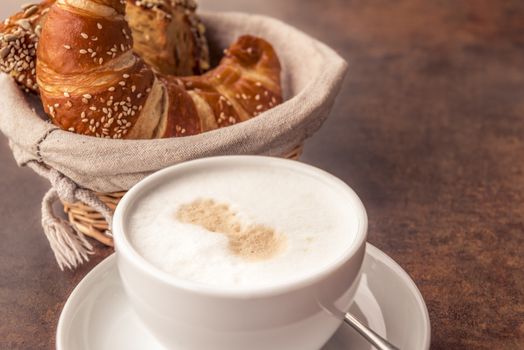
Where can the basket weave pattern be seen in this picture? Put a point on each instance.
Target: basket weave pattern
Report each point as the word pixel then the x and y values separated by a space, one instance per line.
pixel 92 224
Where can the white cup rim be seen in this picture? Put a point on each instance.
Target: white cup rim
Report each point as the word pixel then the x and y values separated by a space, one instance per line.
pixel 123 246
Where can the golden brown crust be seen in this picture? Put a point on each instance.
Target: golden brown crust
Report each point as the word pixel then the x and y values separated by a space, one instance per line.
pixel 169 36
pixel 107 111
pixel 222 108
pixel 183 118
pixel 89 42
pixel 92 83
pixel 245 83
pixel 19 36
pixel 257 57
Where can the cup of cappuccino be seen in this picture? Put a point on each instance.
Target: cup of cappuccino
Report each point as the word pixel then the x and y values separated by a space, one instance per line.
pixel 240 252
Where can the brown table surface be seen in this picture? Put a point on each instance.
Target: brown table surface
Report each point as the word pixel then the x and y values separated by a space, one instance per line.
pixel 428 129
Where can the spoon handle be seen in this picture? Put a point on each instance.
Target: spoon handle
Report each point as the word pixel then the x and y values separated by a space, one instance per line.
pixel 373 338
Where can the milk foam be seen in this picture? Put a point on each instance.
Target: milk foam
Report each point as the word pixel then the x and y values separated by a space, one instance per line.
pixel 315 220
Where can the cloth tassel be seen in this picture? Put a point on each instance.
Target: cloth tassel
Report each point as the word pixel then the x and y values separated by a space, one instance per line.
pixel 70 247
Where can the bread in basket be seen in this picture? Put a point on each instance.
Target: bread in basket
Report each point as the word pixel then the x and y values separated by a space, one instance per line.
pixel 89 175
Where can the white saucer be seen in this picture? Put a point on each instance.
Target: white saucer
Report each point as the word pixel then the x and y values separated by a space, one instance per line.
pixel 97 315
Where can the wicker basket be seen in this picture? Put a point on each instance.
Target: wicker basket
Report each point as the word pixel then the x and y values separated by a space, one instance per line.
pixel 92 224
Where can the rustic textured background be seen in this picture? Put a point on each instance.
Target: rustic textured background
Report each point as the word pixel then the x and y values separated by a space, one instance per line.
pixel 429 130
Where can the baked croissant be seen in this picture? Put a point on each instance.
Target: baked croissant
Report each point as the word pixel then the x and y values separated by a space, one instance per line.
pixel 92 83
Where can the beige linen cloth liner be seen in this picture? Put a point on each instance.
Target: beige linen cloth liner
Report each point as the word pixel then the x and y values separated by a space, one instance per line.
pixel 77 165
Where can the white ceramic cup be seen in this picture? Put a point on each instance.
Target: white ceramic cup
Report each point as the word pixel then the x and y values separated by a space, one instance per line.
pixel 299 315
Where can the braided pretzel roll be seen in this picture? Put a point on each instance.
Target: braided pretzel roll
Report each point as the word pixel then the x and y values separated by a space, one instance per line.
pixel 169 36
pixel 92 83
pixel 19 36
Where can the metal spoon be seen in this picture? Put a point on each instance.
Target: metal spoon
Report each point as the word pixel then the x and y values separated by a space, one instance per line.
pixel 373 338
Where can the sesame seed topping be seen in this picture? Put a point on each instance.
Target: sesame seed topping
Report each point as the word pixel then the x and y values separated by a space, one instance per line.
pixel 29 9
pixel 12 37
pixel 24 23
pixel 88 96
pixel 67 47
pixel 83 52
pixel 112 88
pixel 126 76
pixel 99 26
pixel 66 94
pixel 84 35
pixel 4 52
